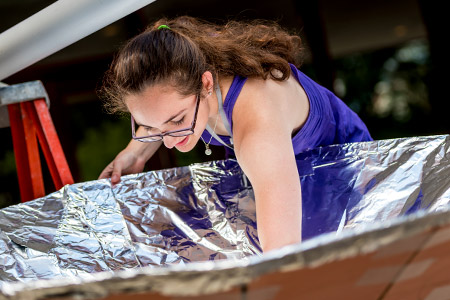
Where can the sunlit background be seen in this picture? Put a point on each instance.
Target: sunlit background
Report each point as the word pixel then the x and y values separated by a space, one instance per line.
pixel 385 59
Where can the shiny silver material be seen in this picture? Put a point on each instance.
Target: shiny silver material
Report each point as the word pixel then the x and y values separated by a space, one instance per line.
pixel 167 217
pixel 364 195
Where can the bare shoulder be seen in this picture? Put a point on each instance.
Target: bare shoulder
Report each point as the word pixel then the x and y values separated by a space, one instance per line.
pixel 268 100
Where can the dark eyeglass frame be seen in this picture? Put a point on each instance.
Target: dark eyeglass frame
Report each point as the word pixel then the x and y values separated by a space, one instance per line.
pixel 159 137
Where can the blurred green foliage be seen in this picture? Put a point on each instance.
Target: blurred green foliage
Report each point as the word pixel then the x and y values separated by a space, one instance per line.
pixel 101 144
pixel 387 89
pixel 8 177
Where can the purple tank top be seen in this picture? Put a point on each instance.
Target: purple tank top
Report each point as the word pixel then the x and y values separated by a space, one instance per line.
pixel 330 121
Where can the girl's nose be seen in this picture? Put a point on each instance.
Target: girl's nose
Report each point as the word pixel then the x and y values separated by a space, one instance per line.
pixel 171 141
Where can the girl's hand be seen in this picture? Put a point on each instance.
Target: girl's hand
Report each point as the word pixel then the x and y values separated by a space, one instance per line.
pixel 130 160
pixel 126 162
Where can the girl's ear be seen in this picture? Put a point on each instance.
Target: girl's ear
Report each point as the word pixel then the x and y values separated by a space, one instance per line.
pixel 208 81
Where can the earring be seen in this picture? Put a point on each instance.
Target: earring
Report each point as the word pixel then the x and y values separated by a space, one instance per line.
pixel 209 93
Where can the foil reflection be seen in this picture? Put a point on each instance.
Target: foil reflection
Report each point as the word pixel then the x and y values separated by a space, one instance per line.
pixel 207 212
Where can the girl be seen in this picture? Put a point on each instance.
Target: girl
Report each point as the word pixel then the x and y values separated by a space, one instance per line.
pixel 185 81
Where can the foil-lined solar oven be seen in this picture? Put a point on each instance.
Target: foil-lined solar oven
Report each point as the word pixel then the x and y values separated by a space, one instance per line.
pixel 203 216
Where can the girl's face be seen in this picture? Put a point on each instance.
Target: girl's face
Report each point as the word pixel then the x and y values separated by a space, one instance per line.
pixel 160 109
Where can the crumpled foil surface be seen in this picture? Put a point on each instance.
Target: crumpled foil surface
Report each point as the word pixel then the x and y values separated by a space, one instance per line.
pixel 206 211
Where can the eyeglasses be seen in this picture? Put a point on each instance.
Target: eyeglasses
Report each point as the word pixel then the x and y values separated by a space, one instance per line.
pixel 160 136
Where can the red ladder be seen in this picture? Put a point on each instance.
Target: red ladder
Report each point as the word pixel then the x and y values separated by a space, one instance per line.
pixel 30 118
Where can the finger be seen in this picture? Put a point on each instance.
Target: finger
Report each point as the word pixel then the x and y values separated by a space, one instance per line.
pixel 115 178
pixel 116 173
pixel 107 172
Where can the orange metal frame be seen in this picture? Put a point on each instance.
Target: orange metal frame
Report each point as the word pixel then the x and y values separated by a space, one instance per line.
pixel 29 120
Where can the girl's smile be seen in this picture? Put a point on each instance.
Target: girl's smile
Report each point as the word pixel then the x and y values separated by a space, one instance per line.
pixel 183 142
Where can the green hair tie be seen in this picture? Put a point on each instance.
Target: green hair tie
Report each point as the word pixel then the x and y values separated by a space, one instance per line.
pixel 163 26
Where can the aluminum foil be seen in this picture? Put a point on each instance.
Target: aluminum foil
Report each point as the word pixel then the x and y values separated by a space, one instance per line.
pixel 206 212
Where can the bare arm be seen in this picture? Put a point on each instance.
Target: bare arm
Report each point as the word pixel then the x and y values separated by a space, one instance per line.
pixel 264 150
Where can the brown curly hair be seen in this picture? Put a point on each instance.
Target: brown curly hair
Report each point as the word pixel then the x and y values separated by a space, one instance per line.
pixel 180 54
